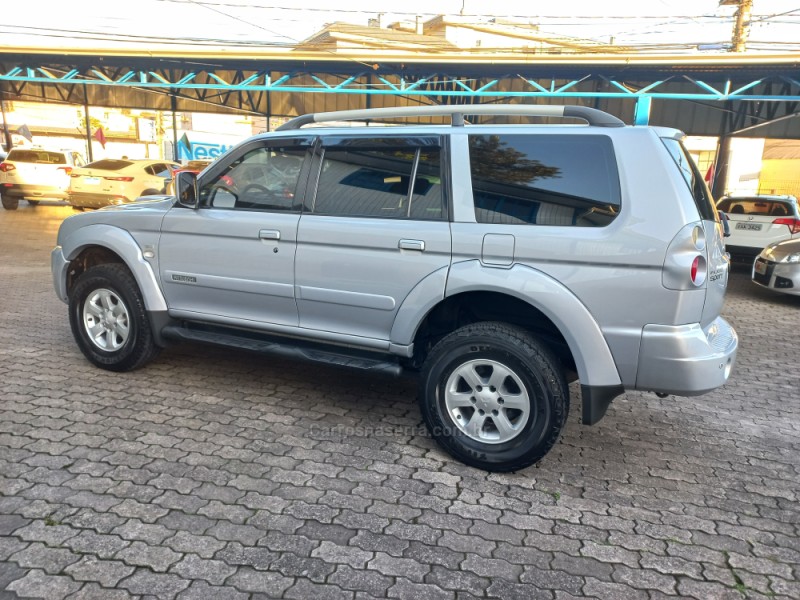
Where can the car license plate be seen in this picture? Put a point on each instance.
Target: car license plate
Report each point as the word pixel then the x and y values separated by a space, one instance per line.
pixel 760 267
pixel 91 180
pixel 749 226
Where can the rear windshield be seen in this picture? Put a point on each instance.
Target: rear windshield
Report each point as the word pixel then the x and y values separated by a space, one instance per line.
pixel 695 181
pixel 37 156
pixel 766 207
pixel 109 164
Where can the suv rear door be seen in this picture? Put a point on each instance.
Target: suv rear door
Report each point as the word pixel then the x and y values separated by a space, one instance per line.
pixel 367 239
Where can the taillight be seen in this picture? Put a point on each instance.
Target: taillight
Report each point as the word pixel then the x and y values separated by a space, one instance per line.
pixel 793 224
pixel 6 167
pixel 697 271
pixel 67 170
pixel 118 178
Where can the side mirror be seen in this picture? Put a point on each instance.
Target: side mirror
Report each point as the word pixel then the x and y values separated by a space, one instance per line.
pixel 186 189
pixel 726 228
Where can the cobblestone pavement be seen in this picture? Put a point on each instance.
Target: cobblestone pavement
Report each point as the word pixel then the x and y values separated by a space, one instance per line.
pixel 215 474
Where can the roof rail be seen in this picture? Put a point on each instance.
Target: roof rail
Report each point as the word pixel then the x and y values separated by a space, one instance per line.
pixel 456 113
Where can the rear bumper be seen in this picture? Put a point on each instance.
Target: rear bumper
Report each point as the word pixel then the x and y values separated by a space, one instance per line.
pixel 24 190
pixel 686 360
pixel 88 200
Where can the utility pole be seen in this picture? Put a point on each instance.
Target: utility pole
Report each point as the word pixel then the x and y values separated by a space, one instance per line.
pixel 741 31
pixel 741 28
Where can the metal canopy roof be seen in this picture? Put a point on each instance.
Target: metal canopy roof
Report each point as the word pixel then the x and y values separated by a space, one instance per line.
pixel 700 94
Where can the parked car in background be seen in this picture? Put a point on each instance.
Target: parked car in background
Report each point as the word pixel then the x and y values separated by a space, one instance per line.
pixel 36 174
pixel 192 166
pixel 778 267
pixel 115 181
pixel 757 221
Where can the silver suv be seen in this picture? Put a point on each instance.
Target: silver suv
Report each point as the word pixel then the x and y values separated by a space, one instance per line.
pixel 35 174
pixel 499 261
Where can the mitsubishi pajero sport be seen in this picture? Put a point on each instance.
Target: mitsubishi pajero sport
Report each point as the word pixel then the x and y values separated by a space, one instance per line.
pixel 498 261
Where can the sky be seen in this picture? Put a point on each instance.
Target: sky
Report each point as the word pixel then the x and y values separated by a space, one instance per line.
pixel 692 22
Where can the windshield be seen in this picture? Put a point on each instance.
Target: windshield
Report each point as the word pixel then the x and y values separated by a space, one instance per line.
pixel 37 156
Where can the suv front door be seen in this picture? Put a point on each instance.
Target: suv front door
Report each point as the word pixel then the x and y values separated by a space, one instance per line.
pixel 368 239
pixel 232 259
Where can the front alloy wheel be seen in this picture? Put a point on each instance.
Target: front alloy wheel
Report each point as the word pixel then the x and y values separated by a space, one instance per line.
pixel 106 320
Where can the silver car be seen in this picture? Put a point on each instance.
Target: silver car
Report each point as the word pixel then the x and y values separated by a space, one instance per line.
pixel 778 267
pixel 499 262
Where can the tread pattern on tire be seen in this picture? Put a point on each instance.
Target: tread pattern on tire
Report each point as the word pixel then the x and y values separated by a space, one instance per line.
pixel 526 345
pixel 116 276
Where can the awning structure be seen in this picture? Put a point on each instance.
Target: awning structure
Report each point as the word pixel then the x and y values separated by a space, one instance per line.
pixel 700 94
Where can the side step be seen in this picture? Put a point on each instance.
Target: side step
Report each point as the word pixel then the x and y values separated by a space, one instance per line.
pixel 285 347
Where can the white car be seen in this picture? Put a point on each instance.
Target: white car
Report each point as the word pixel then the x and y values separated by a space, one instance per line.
pixel 778 267
pixel 758 221
pixel 35 174
pixel 116 181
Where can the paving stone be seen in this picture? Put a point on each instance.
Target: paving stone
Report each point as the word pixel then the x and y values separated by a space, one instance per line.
pixel 704 590
pixel 398 567
pixel 132 509
pixel 179 521
pixel 231 532
pixel 39 531
pixel 193 567
pixel 203 545
pixel 457 580
pixel 361 580
pixel 314 569
pixel 87 518
pixel 304 589
pixel 38 584
pixel 105 572
pixel 10 523
pixel 506 590
pixel 134 529
pixel 326 532
pixel 338 554
pixel 603 589
pixel 235 553
pixel 10 572
pixel 89 542
pixel 38 556
pixel 201 590
pixel 93 591
pixel 175 501
pixel 158 585
pixel 247 579
pixel 140 554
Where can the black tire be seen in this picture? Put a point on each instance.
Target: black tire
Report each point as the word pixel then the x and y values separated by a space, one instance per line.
pixel 533 369
pixel 138 347
pixel 33 202
pixel 9 203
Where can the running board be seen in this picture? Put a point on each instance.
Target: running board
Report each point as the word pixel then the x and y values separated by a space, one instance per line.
pixel 301 351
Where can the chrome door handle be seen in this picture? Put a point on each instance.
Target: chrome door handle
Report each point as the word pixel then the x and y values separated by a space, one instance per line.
pixel 269 234
pixel 417 245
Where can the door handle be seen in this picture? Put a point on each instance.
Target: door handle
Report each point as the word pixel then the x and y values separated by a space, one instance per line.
pixel 269 234
pixel 417 245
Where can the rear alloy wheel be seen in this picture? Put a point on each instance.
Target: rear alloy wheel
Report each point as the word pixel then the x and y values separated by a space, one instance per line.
pixel 109 320
pixel 9 203
pixel 494 396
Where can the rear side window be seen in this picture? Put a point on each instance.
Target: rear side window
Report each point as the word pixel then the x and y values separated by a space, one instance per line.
pixel 695 181
pixel 561 180
pixel 42 157
pixel 372 178
pixel 765 207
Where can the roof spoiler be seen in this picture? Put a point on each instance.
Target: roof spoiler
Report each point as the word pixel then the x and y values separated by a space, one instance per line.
pixel 456 113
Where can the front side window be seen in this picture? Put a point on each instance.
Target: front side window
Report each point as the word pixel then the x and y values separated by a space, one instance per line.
pixel 372 178
pixel 557 180
pixel 264 178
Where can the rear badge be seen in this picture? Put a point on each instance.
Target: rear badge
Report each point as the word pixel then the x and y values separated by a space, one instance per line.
pixel 184 278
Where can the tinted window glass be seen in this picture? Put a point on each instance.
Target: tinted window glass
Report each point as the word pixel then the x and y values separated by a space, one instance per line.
pixel 373 180
pixel 568 180
pixel 766 207
pixel 38 156
pixel 261 179
pixel 109 164
pixel 695 181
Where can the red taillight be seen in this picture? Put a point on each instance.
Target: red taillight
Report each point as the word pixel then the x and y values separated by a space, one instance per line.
pixel 793 224
pixel 67 170
pixel 6 167
pixel 698 270
pixel 118 178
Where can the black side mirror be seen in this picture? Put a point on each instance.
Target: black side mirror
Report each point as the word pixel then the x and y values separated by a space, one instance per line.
pixel 726 228
pixel 186 189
